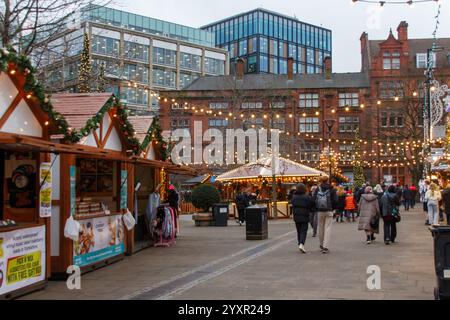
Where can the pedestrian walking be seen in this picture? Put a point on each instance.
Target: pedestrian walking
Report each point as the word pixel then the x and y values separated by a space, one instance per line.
pixel 302 205
pixel 350 207
pixel 369 209
pixel 390 213
pixel 446 202
pixel 325 199
pixel 314 216
pixel 432 197
pixel 425 187
pixel 413 196
pixel 407 197
pixel 242 202
pixel 340 208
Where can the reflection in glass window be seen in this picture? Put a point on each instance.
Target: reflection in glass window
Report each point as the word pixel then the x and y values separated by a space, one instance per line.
pixel 263 64
pixel 243 47
pixel 214 66
pixel 136 73
pixel 135 96
pixel 186 79
pixel 263 45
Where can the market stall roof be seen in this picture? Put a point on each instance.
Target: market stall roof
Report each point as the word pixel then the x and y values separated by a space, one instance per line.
pixel 141 125
pixel 263 168
pixel 78 108
pixel 197 180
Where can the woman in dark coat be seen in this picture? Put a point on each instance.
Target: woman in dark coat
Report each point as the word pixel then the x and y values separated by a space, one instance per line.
pixel 390 201
pixel 301 207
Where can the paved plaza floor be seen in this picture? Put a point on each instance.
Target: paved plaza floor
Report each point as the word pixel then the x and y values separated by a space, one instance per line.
pixel 218 263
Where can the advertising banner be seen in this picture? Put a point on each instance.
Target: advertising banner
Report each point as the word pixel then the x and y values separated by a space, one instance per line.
pixel 45 194
pixel 100 238
pixel 124 190
pixel 22 258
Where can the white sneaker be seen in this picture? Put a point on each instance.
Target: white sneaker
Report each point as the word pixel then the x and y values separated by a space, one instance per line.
pixel 302 248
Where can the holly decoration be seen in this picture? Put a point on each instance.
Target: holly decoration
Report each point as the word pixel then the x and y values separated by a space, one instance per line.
pixel 154 133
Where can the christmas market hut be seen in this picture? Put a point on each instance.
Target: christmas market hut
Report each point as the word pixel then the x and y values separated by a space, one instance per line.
pixel 256 178
pixel 27 119
pixel 93 187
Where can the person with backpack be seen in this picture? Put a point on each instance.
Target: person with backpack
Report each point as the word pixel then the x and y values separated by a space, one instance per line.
pixel 325 199
pixel 313 216
pixel 302 205
pixel 390 212
pixel 340 212
pixel 407 197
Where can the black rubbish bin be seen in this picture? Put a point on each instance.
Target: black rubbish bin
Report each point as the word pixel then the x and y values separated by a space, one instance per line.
pixel 441 235
pixel 220 214
pixel 257 226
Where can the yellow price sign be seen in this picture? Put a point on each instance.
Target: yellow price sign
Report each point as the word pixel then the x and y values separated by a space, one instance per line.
pixel 24 267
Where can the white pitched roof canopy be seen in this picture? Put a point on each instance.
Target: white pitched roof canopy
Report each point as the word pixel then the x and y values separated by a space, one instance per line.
pixel 284 168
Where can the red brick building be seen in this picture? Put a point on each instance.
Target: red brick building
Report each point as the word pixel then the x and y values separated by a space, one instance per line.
pixel 396 68
pixel 384 100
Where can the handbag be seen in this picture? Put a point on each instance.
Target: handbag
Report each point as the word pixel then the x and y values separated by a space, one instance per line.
pixel 396 215
pixel 129 220
pixel 375 223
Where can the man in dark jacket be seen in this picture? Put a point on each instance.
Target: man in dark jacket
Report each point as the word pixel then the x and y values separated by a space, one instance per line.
pixel 242 202
pixel 301 206
pixel 407 197
pixel 446 201
pixel 389 202
pixel 325 199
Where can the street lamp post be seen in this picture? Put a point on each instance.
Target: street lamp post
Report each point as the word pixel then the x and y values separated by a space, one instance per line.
pixel 329 124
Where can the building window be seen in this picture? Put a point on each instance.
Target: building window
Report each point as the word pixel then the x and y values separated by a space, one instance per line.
pixel 348 124
pixel 391 60
pixel 135 72
pixel 251 64
pixel 135 96
pixel 279 124
pixel 251 105
pixel 164 56
pixel 309 152
pixel 105 46
pixel 243 49
pixel 392 120
pixel 309 100
pixel 346 152
pixel 348 100
pixel 186 79
pixel 421 60
pixel 218 105
pixel 136 51
pixel 309 125
pixel 263 45
pixel 253 45
pixel 180 123
pixel 177 106
pixel 283 66
pixel 165 78
pixel 263 64
pixel 218 123
pixel 278 105
pixel 190 61
pixel 214 66
pixel 391 89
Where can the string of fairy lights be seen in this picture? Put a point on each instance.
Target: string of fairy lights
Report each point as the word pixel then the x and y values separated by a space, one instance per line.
pixel 382 4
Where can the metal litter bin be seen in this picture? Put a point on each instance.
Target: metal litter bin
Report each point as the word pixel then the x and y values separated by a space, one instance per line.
pixel 257 225
pixel 441 235
pixel 220 214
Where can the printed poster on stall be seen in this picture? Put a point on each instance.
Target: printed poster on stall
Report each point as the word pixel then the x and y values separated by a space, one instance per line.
pixel 22 258
pixel 45 194
pixel 124 190
pixel 100 238
pixel 73 183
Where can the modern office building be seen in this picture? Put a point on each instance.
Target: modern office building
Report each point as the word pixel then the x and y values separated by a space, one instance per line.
pixel 141 55
pixel 266 39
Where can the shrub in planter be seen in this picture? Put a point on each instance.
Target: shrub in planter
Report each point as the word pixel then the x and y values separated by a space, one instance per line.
pixel 204 196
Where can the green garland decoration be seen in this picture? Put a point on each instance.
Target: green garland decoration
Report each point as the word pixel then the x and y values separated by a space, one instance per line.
pixel 154 133
pixel 23 65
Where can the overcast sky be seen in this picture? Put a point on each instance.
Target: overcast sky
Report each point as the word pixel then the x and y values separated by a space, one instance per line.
pixel 346 21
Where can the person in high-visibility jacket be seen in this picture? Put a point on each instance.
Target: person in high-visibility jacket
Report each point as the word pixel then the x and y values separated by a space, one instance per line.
pixel 350 206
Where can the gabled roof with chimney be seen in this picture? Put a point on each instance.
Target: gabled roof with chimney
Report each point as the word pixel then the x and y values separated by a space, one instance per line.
pixel 280 81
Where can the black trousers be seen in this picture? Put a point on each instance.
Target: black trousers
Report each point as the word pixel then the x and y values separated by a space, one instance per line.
pixel 241 214
pixel 390 231
pixel 302 232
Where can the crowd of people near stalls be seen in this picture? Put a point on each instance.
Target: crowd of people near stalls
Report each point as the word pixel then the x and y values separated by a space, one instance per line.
pixel 317 206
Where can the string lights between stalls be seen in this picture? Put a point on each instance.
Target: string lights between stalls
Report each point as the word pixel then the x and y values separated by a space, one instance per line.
pixel 410 3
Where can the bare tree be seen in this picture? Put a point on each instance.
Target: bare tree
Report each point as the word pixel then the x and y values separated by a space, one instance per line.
pixel 24 24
